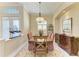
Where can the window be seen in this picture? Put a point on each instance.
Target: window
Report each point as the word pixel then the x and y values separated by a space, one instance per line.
pixel 42 26
pixel 9 10
pixel 11 27
pixel 5 28
pixel 16 27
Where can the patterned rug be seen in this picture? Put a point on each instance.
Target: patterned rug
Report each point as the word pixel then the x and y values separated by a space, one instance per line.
pixel 57 52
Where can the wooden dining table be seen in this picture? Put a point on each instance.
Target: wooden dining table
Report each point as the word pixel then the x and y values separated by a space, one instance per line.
pixel 49 42
pixel 42 37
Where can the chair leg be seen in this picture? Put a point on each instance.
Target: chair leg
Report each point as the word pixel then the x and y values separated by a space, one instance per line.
pixel 34 53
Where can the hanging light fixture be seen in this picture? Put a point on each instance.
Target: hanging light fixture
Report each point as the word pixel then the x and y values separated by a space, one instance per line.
pixel 39 9
pixel 40 18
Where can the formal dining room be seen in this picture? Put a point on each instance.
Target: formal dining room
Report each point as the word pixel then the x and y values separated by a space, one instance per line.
pixel 39 29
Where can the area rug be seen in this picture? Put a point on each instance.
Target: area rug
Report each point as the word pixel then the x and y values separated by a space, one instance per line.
pixel 57 52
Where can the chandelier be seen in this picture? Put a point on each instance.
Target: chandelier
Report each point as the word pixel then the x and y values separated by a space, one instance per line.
pixel 40 18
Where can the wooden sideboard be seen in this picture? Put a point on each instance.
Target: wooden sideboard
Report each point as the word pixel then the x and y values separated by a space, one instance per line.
pixel 68 43
pixel 65 43
pixel 74 45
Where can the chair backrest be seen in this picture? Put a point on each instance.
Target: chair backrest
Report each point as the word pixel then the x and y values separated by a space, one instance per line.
pixel 51 36
pixel 30 36
pixel 41 45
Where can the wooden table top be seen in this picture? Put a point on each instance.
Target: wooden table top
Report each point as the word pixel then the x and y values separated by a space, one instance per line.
pixel 41 37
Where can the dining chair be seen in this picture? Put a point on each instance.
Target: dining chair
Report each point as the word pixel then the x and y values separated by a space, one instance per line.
pixel 50 42
pixel 30 41
pixel 49 36
pixel 41 47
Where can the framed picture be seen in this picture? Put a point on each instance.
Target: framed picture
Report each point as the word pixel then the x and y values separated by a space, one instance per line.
pixel 67 25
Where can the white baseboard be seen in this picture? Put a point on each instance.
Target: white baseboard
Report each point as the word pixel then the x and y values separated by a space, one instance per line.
pixel 16 51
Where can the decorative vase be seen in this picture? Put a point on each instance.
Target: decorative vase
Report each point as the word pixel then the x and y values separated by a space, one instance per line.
pixel 40 32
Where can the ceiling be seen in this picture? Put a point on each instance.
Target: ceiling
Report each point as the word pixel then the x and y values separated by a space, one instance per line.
pixel 45 7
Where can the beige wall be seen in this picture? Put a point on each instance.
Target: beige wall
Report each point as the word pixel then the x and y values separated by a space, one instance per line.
pixel 26 23
pixel 33 24
pixel 9 47
pixel 71 13
pixel 55 21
